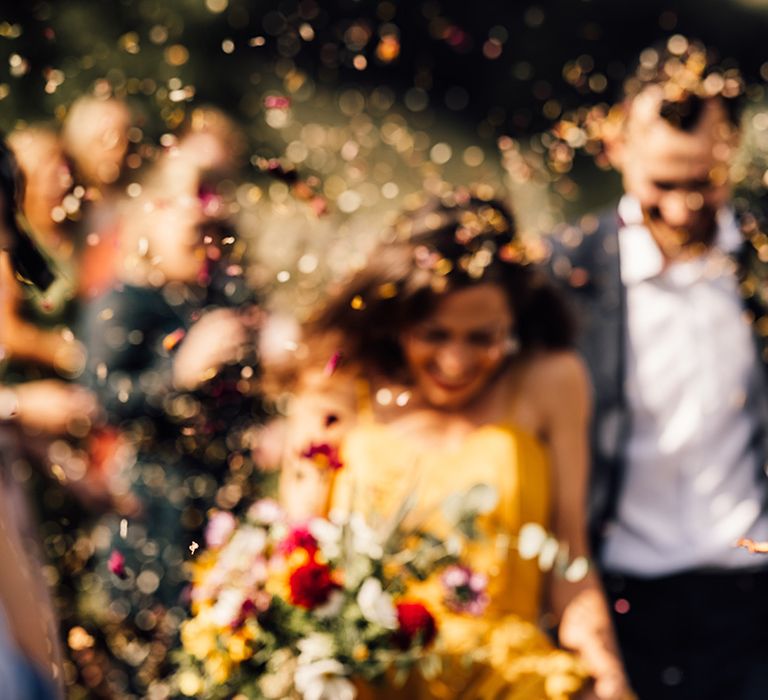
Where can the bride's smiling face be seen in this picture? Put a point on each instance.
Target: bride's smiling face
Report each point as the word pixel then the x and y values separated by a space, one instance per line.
pixel 455 352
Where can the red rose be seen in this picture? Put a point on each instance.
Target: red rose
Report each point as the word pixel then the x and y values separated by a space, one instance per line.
pixel 299 538
pixel 251 607
pixel 311 584
pixel 323 455
pixel 416 625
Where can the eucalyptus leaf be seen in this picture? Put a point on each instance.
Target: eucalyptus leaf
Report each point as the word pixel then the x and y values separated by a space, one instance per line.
pixel 401 677
pixel 482 498
pixel 530 540
pixel 460 507
pixel 577 570
pixel 548 553
pixel 430 666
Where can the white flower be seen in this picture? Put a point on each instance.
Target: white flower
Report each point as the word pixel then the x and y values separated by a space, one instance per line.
pixel 324 680
pixel 332 607
pixel 376 605
pixel 266 511
pixel 219 529
pixel 246 545
pixel 365 540
pixel 315 647
pixel 228 607
pixel 328 536
pixel 278 683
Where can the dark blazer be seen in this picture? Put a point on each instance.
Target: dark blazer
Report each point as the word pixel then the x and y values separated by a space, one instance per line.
pixel 585 261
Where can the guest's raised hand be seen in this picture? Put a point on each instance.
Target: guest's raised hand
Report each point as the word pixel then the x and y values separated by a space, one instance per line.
pixel 218 338
pixel 53 406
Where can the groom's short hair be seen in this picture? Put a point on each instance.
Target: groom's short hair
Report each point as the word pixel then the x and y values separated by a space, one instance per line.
pixel 689 74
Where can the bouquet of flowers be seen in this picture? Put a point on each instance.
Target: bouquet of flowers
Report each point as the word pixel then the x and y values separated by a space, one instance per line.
pixel 309 611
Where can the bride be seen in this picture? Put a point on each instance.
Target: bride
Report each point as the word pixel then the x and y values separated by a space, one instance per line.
pixel 450 365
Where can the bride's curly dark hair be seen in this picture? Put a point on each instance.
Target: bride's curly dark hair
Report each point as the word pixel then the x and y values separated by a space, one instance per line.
pixel 429 252
pixel 26 259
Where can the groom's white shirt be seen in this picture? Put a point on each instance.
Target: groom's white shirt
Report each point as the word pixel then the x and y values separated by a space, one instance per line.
pixel 691 488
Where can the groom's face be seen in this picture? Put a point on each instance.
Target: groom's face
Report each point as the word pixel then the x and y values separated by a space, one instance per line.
pixel 681 178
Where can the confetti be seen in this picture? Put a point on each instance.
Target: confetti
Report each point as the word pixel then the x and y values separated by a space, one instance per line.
pixel 333 363
pixel 277 102
pixel 116 564
pixel 78 639
pixel 403 398
pixel 193 547
pixel 58 471
pixel 173 339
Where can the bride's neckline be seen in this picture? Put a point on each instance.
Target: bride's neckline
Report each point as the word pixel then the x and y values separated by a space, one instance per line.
pixel 370 423
pixel 409 419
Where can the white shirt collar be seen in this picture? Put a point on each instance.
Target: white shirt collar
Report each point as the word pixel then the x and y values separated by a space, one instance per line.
pixel 640 258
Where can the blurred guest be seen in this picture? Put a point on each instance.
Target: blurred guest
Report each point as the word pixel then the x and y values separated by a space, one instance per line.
pixel 35 328
pixel 45 442
pixel 210 147
pixel 40 351
pixel 95 136
pixel 30 663
pixel 175 370
pixel 671 290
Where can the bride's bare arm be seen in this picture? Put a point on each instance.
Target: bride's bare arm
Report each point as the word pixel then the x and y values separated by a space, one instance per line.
pixel 585 623
pixel 320 413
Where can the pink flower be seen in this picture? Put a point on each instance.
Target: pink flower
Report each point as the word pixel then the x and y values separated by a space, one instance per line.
pixel 299 538
pixel 323 455
pixel 116 564
pixel 219 529
pixel 465 590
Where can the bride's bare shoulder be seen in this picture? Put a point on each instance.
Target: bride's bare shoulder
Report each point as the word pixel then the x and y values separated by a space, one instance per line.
pixel 554 376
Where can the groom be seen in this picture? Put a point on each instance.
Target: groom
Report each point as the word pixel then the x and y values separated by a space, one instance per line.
pixel 668 289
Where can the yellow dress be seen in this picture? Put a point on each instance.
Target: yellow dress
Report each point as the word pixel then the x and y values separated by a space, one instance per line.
pixel 519 662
